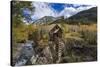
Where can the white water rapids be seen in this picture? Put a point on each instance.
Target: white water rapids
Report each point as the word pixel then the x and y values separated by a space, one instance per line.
pixel 26 53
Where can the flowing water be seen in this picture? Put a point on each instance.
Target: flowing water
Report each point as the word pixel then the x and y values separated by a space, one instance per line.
pixel 26 53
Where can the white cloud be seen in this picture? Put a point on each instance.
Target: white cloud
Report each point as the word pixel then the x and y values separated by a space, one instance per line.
pixel 81 8
pixel 43 9
pixel 69 11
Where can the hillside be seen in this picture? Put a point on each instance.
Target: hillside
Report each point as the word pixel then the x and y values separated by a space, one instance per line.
pixel 89 15
pixel 83 17
pixel 44 20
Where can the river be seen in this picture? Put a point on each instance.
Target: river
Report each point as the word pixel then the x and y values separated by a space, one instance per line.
pixel 27 51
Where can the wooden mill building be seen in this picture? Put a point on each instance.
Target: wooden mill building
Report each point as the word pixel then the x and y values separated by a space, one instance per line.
pixel 55 31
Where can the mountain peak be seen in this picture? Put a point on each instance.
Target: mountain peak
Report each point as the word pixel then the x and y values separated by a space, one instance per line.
pixel 45 20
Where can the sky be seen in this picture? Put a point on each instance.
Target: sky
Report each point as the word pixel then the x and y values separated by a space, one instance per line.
pixel 55 9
